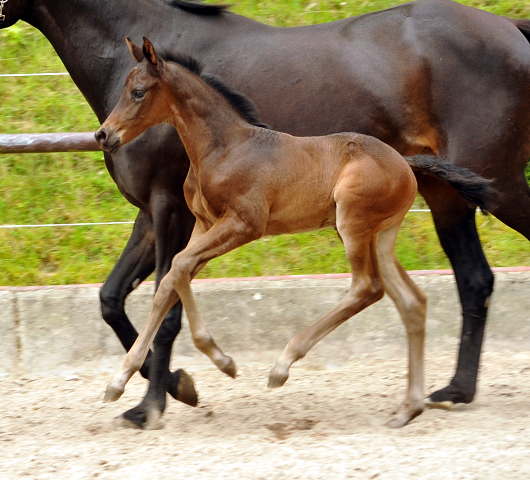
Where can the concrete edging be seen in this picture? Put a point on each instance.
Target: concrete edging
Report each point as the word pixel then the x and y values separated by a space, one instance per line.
pixel 59 329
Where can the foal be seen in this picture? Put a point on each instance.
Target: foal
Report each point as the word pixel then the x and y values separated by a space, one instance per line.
pixel 246 181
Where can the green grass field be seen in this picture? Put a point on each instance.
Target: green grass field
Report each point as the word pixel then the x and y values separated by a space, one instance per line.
pixel 70 188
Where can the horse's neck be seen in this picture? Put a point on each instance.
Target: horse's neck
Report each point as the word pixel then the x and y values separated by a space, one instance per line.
pixel 89 37
pixel 206 123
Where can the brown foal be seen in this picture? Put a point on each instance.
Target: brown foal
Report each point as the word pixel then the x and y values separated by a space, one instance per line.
pixel 246 181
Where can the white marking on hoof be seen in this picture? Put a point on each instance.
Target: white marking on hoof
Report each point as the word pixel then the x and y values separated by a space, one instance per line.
pixel 120 422
pixel 154 420
pixel 445 405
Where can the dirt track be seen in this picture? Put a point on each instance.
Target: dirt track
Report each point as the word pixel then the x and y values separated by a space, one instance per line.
pixel 323 424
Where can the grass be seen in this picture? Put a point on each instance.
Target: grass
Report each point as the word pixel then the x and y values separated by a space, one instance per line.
pixel 70 188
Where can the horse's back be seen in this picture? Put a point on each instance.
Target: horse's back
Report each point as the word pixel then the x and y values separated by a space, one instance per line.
pixel 440 69
pixel 416 76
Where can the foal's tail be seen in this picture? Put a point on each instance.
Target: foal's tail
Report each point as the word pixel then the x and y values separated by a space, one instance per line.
pixel 472 187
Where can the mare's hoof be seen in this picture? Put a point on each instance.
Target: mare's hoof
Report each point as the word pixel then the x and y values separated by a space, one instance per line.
pixel 150 421
pixel 146 416
pixel 449 396
pixel 186 392
pixel 121 422
pixel 404 415
pixel 112 394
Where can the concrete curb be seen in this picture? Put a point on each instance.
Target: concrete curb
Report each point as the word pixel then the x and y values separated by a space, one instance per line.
pixel 59 330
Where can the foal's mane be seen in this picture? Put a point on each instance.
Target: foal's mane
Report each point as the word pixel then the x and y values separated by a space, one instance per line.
pixel 198 8
pixel 238 101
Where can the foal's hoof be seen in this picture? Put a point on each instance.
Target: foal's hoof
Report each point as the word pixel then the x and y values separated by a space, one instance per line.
pixel 405 414
pixel 277 378
pixel 112 393
pixel 228 366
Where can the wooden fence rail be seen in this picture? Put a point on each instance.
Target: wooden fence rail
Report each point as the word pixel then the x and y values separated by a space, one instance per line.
pixel 48 142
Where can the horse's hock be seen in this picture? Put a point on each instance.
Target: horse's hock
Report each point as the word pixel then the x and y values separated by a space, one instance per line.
pixel 59 330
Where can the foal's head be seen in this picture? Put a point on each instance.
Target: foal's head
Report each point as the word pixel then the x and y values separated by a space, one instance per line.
pixel 144 100
pixel 148 96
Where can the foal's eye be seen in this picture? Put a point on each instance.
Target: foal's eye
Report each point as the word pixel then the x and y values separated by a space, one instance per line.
pixel 138 94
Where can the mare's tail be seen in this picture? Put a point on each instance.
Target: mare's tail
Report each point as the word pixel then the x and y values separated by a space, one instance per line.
pixel 472 187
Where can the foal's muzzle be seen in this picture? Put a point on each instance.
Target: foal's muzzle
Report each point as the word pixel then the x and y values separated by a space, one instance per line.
pixel 106 141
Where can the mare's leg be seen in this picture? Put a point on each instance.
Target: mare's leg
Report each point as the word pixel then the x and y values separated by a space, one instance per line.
pixel 455 224
pixel 514 206
pixel 366 288
pixel 412 305
pixel 227 233
pixel 135 264
pixel 173 226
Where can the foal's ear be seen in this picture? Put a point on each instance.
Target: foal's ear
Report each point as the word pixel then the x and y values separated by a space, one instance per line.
pixel 153 59
pixel 135 50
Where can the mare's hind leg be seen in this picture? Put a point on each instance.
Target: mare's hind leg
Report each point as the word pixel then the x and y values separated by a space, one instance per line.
pixel 412 305
pixel 366 288
pixel 454 220
pixel 514 206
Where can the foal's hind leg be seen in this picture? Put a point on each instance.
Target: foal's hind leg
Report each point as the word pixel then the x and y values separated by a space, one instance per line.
pixel 366 288
pixel 412 305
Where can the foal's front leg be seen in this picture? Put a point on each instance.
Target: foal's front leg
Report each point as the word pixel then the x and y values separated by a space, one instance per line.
pixel 227 233
pixel 164 299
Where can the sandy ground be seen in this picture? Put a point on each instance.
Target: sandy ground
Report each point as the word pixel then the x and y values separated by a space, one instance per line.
pixel 323 424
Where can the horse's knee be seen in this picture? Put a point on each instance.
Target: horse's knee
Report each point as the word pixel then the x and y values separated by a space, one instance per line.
pixel 112 307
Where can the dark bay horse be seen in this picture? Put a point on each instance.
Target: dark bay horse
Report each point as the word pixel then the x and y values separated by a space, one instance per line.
pixel 246 181
pixel 431 76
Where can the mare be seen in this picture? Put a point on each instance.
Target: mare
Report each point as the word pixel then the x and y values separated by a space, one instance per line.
pixel 431 76
pixel 246 181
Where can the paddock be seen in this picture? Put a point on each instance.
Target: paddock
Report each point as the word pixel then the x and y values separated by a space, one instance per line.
pixel 327 421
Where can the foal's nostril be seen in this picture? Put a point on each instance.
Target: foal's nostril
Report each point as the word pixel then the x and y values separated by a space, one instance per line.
pixel 101 136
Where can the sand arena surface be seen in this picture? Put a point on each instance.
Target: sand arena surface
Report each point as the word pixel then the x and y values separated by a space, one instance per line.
pixel 323 424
